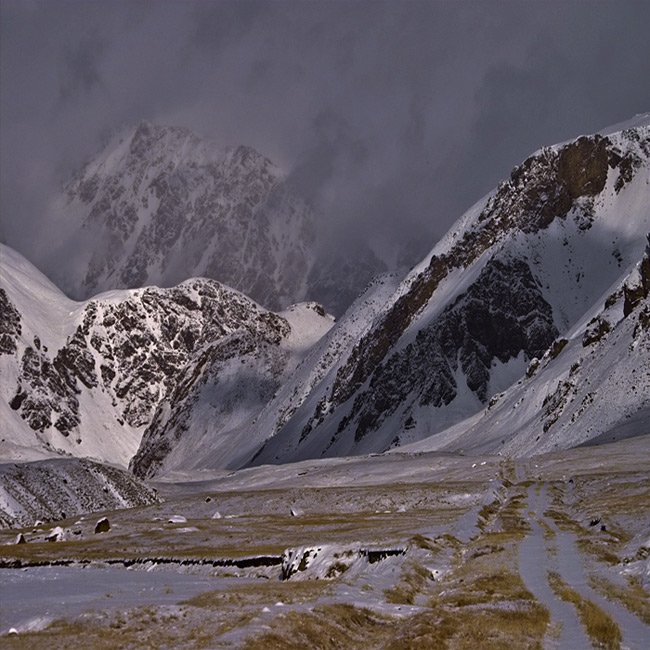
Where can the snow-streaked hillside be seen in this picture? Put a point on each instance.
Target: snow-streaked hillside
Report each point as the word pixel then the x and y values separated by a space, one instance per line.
pixel 533 262
pixel 159 205
pixel 592 386
pixel 87 378
pixel 208 419
pixel 55 489
pixel 197 427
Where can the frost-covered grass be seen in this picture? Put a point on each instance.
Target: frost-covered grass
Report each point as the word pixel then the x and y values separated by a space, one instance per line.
pixel 631 595
pixel 604 511
pixel 261 593
pixel 412 582
pixel 600 626
pixel 447 582
pixel 328 627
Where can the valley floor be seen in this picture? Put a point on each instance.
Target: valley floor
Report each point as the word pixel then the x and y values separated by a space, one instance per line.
pixel 394 552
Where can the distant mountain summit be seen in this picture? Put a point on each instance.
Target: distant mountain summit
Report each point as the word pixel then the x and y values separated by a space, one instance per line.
pixel 160 205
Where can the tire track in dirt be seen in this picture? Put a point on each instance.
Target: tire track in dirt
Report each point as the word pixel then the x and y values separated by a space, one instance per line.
pixel 566 630
pixel 570 565
pixel 549 549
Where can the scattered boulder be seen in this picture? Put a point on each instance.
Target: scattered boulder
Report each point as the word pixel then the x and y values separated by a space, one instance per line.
pixel 596 329
pixel 297 512
pixel 177 519
pixel 102 526
pixel 20 539
pixel 56 535
pixel 217 515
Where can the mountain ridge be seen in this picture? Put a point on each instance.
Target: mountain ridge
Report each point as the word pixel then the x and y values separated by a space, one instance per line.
pixel 159 205
pixel 558 229
pixel 85 378
pixel 548 268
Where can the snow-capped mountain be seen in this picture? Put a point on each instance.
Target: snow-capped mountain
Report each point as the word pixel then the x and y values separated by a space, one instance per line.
pixel 225 409
pixel 525 329
pixel 208 419
pixel 525 269
pixel 86 378
pixel 159 205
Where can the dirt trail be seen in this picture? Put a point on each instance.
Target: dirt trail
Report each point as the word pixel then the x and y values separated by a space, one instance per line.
pixel 559 553
pixel 534 564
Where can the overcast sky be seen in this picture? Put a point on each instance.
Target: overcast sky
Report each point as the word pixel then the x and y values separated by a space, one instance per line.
pixel 394 117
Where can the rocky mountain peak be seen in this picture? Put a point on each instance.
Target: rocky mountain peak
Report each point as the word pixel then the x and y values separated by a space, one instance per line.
pixel 160 205
pixel 120 356
pixel 516 272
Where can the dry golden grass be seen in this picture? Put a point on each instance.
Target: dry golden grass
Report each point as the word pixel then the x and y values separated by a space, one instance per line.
pixel 522 627
pixel 508 472
pixel 343 627
pixel 632 596
pixel 497 587
pixel 600 626
pixel 485 549
pixel 413 582
pixel 563 521
pixel 598 549
pixel 260 593
pixel 419 541
pixel 142 628
pixel 330 627
pixel 549 533
pixel 487 513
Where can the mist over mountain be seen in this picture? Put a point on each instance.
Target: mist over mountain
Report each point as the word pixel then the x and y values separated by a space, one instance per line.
pixel 390 119
pixel 536 289
pixel 527 271
pixel 159 205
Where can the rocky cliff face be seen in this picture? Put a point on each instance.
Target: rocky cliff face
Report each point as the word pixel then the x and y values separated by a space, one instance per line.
pixel 210 418
pixel 125 353
pixel 517 271
pixel 159 206
pixel 501 315
pixel 591 387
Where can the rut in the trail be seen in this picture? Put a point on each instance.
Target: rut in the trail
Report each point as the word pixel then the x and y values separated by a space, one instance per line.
pixel 534 564
pixel 559 553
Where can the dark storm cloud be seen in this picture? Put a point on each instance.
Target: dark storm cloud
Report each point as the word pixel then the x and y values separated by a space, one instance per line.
pixel 394 117
pixel 80 67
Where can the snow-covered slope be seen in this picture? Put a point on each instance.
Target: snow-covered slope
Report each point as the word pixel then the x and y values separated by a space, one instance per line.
pixel 87 378
pixel 592 386
pixel 159 205
pixel 208 420
pixel 56 489
pixel 197 428
pixel 531 263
